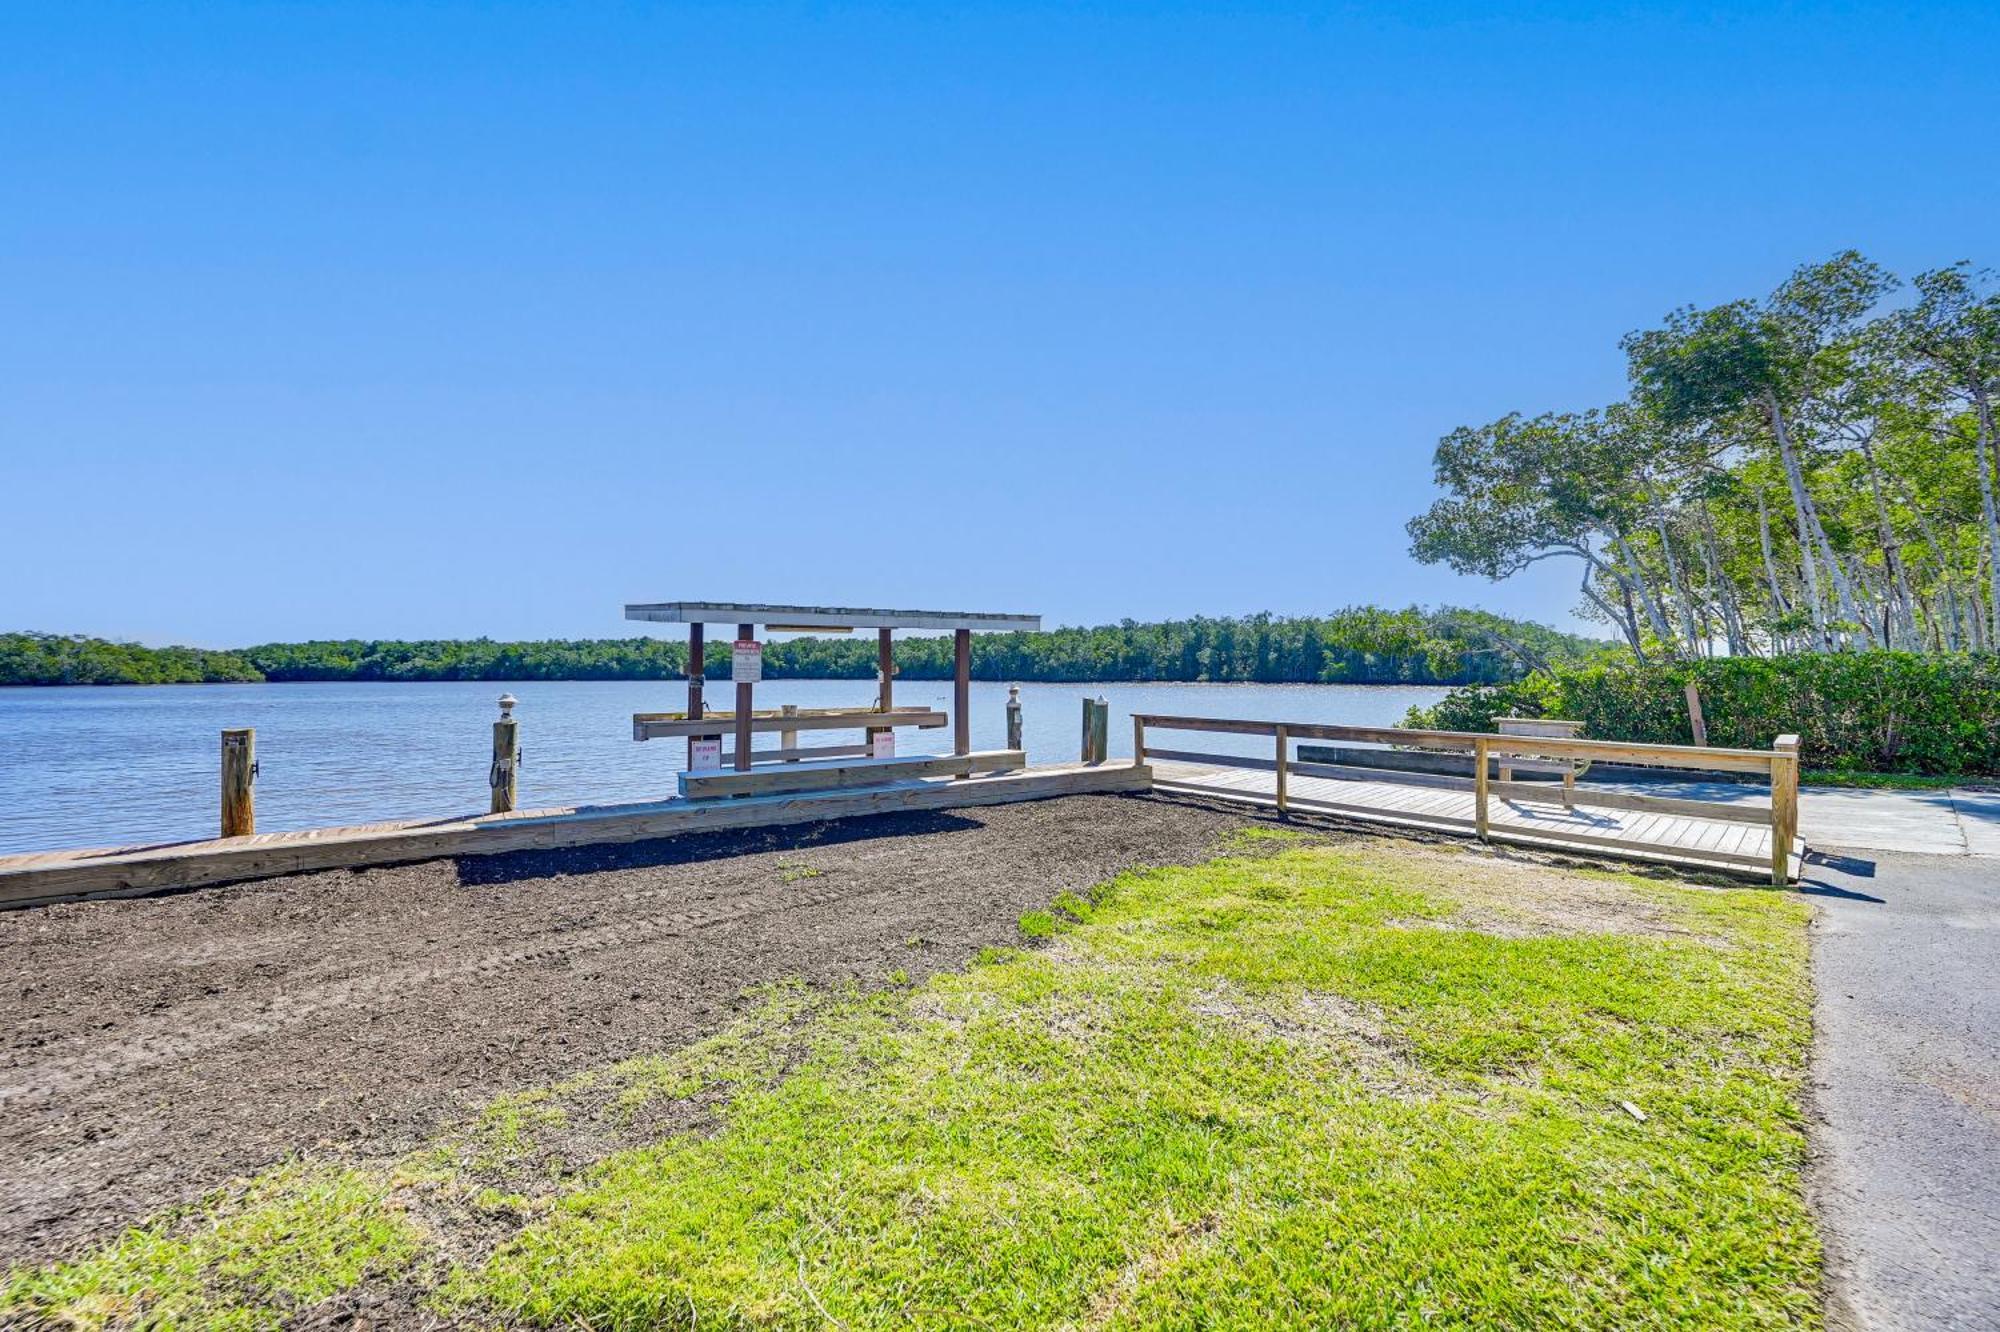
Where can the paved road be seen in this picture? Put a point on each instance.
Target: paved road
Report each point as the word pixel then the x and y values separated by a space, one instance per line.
pixel 1906 1074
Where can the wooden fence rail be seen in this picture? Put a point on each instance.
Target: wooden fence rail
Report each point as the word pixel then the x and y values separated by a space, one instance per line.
pixel 1780 764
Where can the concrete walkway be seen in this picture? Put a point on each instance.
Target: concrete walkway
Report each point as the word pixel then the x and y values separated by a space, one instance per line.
pixel 1906 1069
pixel 1958 822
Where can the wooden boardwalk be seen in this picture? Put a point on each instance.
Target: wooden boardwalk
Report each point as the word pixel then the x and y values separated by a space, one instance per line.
pixel 1445 805
pixel 131 871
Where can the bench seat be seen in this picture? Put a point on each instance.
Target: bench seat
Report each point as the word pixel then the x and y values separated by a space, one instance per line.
pixel 835 774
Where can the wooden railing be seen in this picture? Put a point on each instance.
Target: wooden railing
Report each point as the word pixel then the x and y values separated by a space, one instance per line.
pixel 1780 764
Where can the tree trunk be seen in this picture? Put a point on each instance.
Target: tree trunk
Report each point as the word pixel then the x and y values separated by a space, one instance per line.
pixel 1812 533
pixel 1983 443
pixel 1780 605
pixel 1675 581
pixel 1725 595
pixel 1635 582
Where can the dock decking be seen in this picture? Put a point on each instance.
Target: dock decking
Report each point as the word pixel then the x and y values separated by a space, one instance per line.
pixel 1681 841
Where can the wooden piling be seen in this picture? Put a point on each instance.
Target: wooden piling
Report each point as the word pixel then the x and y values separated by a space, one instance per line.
pixel 743 707
pixel 239 778
pixel 1014 717
pixel 503 777
pixel 1784 807
pixel 1096 730
pixel 696 667
pixel 961 691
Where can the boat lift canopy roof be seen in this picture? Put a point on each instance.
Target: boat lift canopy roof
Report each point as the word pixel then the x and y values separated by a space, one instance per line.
pixel 822 617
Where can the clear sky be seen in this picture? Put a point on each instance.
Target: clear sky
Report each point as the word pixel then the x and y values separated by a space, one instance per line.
pixel 447 320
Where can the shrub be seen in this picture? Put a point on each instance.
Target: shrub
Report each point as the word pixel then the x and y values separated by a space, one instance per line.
pixel 1872 711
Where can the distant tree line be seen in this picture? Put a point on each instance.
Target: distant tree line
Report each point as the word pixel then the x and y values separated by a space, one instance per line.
pixel 1814 470
pixel 1359 645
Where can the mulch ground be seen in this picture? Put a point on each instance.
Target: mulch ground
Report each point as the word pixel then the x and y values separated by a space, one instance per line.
pixel 155 1048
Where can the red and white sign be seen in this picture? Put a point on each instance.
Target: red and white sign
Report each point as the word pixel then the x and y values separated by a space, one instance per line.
pixel 704 755
pixel 882 745
pixel 746 662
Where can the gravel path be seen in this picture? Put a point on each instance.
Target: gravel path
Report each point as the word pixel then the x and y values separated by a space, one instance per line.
pixel 1906 952
pixel 156 1047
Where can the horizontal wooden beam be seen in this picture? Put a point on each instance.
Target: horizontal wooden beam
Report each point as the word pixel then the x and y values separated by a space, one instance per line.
pixel 844 618
pixel 921 718
pixel 835 775
pixel 134 873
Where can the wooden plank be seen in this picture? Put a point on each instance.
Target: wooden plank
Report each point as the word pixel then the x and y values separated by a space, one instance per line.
pixel 805 752
pixel 922 718
pixel 130 874
pixel 1696 809
pixel 729 715
pixel 838 773
pixel 826 617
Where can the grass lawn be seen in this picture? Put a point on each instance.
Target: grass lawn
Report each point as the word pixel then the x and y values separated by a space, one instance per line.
pixel 1301 1085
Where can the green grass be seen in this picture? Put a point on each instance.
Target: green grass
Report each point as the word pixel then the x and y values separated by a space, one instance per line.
pixel 1298 1086
pixel 243 1259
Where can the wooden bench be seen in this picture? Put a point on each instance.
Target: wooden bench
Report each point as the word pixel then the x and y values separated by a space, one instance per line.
pixel 669 725
pixel 1546 728
pixel 835 774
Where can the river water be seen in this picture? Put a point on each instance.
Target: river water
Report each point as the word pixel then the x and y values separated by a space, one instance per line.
pixel 112 765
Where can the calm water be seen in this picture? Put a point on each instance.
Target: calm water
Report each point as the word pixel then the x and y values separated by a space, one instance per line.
pixel 109 766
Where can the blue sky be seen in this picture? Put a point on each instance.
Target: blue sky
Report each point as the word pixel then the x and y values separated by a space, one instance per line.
pixel 399 320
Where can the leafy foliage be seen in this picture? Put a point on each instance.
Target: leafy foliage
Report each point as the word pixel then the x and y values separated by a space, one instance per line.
pixel 1806 472
pixel 1362 644
pixel 1866 711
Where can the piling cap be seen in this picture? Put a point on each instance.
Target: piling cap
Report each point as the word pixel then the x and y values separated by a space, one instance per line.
pixel 506 707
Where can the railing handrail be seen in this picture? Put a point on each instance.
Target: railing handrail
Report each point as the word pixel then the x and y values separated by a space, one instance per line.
pixel 1780 762
pixel 1681 756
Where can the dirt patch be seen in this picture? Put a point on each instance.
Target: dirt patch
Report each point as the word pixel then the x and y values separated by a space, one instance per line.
pixel 156 1048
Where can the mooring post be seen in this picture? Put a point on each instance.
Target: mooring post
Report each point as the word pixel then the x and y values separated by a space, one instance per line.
pixel 1013 716
pixel 239 779
pixel 1479 760
pixel 1096 729
pixel 504 776
pixel 1784 807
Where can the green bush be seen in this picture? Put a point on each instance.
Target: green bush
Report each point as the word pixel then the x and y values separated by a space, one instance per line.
pixel 1858 711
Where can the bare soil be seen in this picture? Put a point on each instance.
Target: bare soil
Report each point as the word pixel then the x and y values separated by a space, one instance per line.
pixel 156 1048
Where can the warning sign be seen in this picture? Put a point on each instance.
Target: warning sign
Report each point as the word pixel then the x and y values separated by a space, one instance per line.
pixel 746 662
pixel 882 744
pixel 704 755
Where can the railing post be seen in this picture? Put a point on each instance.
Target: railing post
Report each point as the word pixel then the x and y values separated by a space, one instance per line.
pixel 503 776
pixel 1138 740
pixel 239 778
pixel 1479 787
pixel 1696 725
pixel 1014 717
pixel 1282 747
pixel 790 739
pixel 1784 807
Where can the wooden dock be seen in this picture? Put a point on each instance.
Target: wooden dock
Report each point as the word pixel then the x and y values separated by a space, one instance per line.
pixel 131 871
pixel 1409 801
